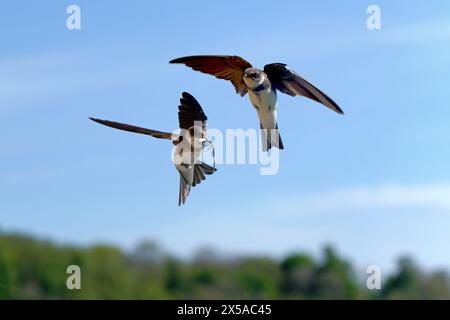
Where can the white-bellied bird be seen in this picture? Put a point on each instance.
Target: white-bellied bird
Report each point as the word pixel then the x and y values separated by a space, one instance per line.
pixel 262 87
pixel 189 144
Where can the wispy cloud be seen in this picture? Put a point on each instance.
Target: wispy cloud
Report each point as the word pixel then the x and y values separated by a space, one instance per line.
pixel 27 78
pixel 388 196
pixel 422 33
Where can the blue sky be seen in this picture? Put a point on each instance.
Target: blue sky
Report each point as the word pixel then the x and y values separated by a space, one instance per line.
pixel 374 183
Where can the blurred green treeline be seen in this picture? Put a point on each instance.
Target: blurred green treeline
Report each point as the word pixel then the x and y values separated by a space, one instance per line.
pixel 36 269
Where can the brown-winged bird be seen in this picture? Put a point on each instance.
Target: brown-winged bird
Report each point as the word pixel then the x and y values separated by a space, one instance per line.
pixel 262 87
pixel 189 144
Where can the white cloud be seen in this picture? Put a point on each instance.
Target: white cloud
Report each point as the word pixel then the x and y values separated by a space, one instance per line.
pixel 422 33
pixel 388 196
pixel 27 78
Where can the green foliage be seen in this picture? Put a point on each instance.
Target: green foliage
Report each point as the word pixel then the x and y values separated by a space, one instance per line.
pixel 36 269
pixel 410 283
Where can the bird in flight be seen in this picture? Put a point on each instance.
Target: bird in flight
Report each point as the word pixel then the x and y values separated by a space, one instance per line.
pixel 189 144
pixel 262 87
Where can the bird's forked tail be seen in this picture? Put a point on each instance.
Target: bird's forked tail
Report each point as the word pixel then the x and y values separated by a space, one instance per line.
pixel 191 177
pixel 271 138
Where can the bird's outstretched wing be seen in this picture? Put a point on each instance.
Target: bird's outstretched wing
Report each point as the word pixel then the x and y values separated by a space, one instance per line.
pixel 130 128
pixel 291 83
pixel 223 67
pixel 190 112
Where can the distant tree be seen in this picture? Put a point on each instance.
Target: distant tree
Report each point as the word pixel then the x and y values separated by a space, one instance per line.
pixel 298 272
pixel 334 278
pixel 7 281
pixel 175 280
pixel 411 283
pixel 258 278
pixel 148 252
pixel 36 269
pixel 106 274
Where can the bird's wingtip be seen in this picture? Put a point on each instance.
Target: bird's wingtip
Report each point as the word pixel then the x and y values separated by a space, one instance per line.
pixel 177 60
pixel 95 119
pixel 337 109
pixel 186 95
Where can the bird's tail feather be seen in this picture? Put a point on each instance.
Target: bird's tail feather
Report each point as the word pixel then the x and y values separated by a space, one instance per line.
pixel 271 138
pixel 186 178
pixel 185 188
pixel 201 170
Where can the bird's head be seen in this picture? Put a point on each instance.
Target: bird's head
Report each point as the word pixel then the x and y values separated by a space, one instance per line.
pixel 197 136
pixel 253 77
